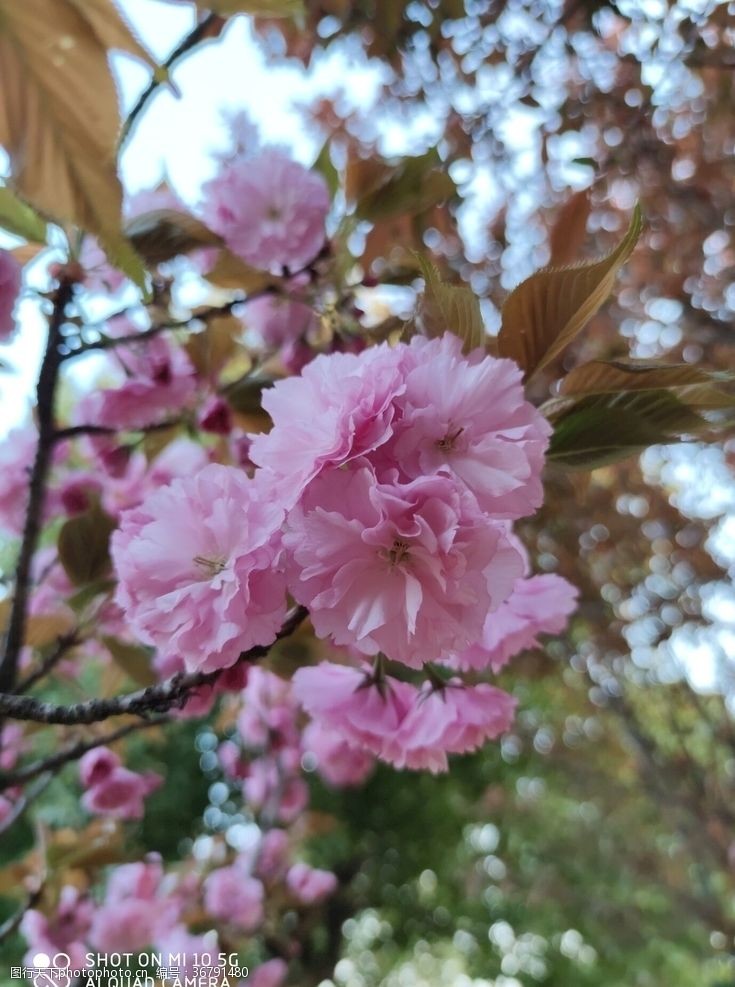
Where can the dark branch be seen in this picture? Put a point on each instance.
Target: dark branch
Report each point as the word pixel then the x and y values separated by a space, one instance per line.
pixel 65 643
pixel 199 33
pixel 45 397
pixel 72 753
pixel 154 699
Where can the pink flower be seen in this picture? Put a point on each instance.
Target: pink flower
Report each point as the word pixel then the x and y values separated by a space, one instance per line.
pixel 97 765
pixel 278 321
pixel 272 854
pixel 17 451
pixel 161 380
pixel 468 416
pixel 452 719
pixel 341 407
pixel 538 605
pixel 270 974
pixel 338 762
pixel 343 699
pixel 269 711
pixel 113 790
pixel 66 932
pixel 11 277
pixel 269 210
pixel 232 896
pixel 124 926
pixel 407 569
pixel 198 567
pixel 272 788
pixel 310 885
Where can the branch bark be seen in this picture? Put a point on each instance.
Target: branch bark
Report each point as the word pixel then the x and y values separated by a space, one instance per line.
pixel 154 699
pixel 45 398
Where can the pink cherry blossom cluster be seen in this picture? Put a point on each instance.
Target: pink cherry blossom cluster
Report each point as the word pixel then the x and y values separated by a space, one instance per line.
pixel 382 501
pixel 229 897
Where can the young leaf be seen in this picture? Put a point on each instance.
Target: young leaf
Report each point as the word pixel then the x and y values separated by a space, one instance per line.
pixel 447 307
pixel 230 271
pixel 59 119
pixel 19 218
pixel 416 184
pixel 599 429
pixel 162 234
pixel 600 377
pixel 568 232
pixel 111 29
pixel 83 546
pixel 133 659
pixel 544 313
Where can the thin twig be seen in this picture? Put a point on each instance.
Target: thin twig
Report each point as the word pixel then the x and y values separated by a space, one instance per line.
pixel 74 431
pixel 65 643
pixel 45 396
pixel 55 762
pixel 199 33
pixel 154 699
pixel 111 342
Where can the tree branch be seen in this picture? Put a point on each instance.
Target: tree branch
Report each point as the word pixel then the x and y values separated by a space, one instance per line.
pixel 72 753
pixel 154 699
pixel 199 33
pixel 45 396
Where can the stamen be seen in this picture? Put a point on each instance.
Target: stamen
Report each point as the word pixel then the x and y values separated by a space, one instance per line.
pixel 397 552
pixel 447 443
pixel 212 566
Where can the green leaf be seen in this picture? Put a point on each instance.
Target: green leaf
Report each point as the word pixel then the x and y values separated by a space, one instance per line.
pixel 449 307
pixel 83 546
pixel 325 166
pixel 596 430
pixel 544 313
pixel 133 659
pixel 20 219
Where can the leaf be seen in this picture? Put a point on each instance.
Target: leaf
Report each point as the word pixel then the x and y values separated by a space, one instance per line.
pixel 84 546
pixel 211 349
pixel 133 659
pixel 544 313
pixel 569 230
pixel 600 377
pixel 416 184
pixel 111 29
pixel 244 395
pixel 230 271
pixel 449 307
pixel 325 166
pixel 59 119
pixel 600 429
pixel 19 218
pixel 162 234
pixel 259 8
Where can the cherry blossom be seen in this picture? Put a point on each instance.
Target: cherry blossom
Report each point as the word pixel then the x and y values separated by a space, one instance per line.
pixel 198 567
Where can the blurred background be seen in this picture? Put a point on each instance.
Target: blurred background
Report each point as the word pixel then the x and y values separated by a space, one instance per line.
pixel 595 845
